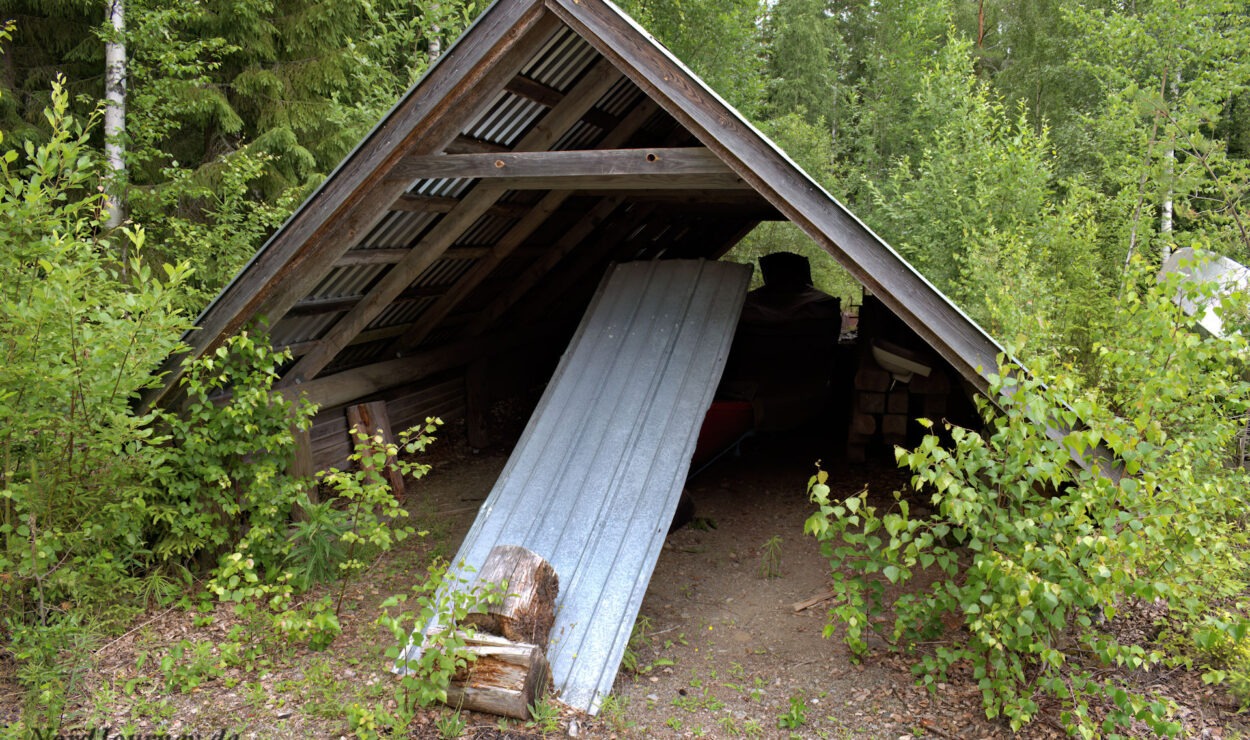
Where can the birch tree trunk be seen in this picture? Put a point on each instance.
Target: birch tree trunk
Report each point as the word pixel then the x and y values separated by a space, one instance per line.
pixel 115 113
pixel 1169 170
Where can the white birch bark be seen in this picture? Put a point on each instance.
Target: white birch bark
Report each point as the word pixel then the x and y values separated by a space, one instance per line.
pixel 1169 171
pixel 115 112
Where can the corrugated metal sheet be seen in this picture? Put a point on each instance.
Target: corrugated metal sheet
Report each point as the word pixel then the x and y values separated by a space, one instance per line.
pixel 593 483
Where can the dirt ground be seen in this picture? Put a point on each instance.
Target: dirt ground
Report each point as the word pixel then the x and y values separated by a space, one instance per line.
pixel 719 649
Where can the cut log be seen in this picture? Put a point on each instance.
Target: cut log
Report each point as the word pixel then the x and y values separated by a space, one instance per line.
pixel 869 402
pixel 863 423
pixel 530 584
pixel 505 677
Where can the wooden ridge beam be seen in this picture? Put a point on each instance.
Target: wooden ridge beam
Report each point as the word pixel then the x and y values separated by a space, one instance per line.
pixel 473 206
pixel 603 164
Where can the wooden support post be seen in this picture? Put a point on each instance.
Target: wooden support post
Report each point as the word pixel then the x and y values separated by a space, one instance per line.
pixel 477 402
pixel 372 420
pixel 303 466
pixel 505 677
pixel 528 611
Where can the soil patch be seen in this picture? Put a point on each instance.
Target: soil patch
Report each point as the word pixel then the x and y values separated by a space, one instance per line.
pixel 719 649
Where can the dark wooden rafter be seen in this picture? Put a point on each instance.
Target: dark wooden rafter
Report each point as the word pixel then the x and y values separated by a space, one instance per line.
pixel 393 256
pixel 521 284
pixel 597 81
pixel 925 310
pixel 741 204
pixel 457 89
pixel 431 318
pixel 616 236
pixel 323 306
pixel 444 204
pixel 468 145
pixel 360 382
pixel 551 97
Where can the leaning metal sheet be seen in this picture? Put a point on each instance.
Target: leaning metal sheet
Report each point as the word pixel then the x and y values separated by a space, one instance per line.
pixel 594 480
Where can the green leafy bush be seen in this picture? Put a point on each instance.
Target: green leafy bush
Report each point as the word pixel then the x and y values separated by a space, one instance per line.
pixel 83 320
pixel 222 474
pixel 442 601
pixel 1034 554
pixel 370 504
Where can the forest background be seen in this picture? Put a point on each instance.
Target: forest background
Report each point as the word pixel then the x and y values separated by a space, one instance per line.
pixel 1035 160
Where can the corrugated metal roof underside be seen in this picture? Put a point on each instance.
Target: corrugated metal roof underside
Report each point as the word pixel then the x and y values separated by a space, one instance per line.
pixel 593 483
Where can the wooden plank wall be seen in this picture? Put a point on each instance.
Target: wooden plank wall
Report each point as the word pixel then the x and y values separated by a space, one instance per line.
pixel 442 397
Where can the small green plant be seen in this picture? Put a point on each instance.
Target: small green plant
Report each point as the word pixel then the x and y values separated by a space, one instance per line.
pixel 638 640
pixel 729 726
pixel 315 624
pixel 544 716
pixel 1224 652
pixel 187 665
pixel 795 717
pixel 450 725
pixel 443 600
pixel 614 710
pixel 370 505
pixel 770 558
pixel 752 728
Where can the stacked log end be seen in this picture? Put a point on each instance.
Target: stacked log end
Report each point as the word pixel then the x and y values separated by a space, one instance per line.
pixel 882 411
pixel 509 671
pixel 528 608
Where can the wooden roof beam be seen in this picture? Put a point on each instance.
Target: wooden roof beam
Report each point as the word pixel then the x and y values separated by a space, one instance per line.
pixel 320 306
pixel 463 144
pixel 550 97
pixel 393 256
pixel 349 385
pixel 594 165
pixel 444 204
pixel 521 284
pixel 508 243
pixel 473 206
pixel 613 241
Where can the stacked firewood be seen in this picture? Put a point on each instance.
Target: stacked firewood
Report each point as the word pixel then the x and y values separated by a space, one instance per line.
pixel 509 671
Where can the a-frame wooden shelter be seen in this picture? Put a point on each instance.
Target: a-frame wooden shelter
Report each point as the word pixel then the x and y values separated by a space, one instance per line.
pixel 554 138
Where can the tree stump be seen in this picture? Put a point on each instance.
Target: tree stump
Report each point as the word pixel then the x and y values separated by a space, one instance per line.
pixel 527 612
pixel 505 677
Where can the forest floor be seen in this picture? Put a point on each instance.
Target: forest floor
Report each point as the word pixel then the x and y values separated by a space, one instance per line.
pixel 719 649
